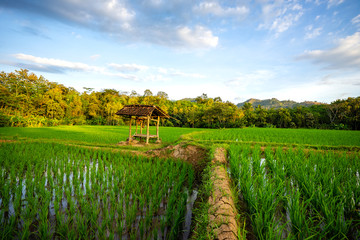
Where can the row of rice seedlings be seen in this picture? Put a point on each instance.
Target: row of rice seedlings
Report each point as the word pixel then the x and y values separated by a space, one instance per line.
pixel 51 191
pixel 315 137
pixel 295 194
pixel 92 134
pixel 329 184
pixel 264 196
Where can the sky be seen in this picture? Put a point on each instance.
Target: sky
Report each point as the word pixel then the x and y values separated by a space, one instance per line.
pixel 291 50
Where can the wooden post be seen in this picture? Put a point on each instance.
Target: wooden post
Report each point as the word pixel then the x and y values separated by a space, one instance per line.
pixel 137 120
pixel 157 128
pixel 141 126
pixel 148 129
pixel 130 130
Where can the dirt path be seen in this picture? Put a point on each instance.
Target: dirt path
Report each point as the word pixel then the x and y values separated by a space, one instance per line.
pixel 222 211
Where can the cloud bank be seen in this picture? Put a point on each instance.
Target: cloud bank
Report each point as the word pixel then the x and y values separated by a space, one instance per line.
pixel 345 55
pixel 173 23
pixel 127 71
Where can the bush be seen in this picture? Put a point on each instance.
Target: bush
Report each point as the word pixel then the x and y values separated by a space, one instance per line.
pixel 4 120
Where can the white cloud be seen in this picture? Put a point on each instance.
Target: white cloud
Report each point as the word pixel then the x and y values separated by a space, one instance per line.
pixel 280 16
pixel 57 63
pixel 108 15
pixel 168 23
pixel 327 89
pixel 171 23
pixel 356 20
pixel 312 32
pixel 345 55
pixel 128 67
pixel 95 57
pixel 133 72
pixel 332 3
pixel 283 23
pixel 215 9
pixel 323 89
pixel 131 77
pixel 199 37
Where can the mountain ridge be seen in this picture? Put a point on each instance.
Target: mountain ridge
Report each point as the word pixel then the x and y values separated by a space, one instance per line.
pixel 275 103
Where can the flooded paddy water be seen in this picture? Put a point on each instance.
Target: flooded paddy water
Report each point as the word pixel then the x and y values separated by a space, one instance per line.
pixel 67 192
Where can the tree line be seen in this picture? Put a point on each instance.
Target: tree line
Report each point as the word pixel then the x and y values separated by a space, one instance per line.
pixel 29 100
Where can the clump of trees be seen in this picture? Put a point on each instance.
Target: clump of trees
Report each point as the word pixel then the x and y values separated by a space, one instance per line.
pixel 29 100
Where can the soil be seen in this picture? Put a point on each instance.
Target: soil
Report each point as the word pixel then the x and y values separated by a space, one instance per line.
pixel 194 155
pixel 223 211
pixel 3 140
pixel 136 143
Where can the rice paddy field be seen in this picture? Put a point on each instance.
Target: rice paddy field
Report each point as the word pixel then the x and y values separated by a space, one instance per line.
pixel 51 191
pixel 297 194
pixel 282 136
pixel 75 182
pixel 88 135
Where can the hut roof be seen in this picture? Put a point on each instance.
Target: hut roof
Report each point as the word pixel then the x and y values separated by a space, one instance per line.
pixel 142 110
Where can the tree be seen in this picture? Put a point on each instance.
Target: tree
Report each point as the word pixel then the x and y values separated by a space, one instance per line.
pixel 284 118
pixel 261 119
pixel 250 116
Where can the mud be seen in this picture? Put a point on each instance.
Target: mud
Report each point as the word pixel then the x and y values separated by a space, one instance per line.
pixel 194 155
pixel 223 211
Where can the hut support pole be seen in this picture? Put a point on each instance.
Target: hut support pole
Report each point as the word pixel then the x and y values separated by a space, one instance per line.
pixel 148 129
pixel 137 121
pixel 157 127
pixel 130 130
pixel 141 126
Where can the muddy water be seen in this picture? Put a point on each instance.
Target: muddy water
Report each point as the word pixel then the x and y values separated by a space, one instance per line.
pixel 189 206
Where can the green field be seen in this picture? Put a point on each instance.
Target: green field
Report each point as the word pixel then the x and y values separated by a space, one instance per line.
pixel 282 136
pixel 110 135
pixel 72 182
pixel 89 135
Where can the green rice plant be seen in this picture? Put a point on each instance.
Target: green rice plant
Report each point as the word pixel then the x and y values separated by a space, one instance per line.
pixel 318 191
pixel 301 223
pixel 90 135
pixel 274 136
pixel 81 190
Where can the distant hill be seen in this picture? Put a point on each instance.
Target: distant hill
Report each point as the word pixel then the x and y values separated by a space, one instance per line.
pixel 275 103
pixel 188 99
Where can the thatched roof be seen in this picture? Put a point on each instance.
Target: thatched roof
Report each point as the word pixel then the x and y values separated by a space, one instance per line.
pixel 142 110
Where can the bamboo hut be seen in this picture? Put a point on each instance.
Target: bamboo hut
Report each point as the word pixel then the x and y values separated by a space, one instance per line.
pixel 143 114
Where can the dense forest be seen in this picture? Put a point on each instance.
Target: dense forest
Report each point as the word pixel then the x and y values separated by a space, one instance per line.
pixel 29 100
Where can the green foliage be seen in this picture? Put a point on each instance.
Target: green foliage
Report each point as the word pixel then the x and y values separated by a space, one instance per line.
pixel 29 100
pixel 4 120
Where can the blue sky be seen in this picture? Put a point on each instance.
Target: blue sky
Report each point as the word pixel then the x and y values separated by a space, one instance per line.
pixel 239 49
